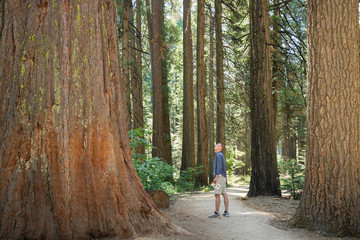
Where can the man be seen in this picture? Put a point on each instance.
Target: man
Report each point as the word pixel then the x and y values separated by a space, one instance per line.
pixel 219 182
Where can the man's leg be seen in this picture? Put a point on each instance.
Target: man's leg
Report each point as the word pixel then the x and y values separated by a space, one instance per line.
pixel 226 201
pixel 217 202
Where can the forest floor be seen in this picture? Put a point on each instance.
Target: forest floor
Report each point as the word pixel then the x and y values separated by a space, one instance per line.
pixel 255 218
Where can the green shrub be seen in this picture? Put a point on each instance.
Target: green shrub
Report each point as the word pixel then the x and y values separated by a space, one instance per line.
pixel 186 181
pixel 292 177
pixel 154 174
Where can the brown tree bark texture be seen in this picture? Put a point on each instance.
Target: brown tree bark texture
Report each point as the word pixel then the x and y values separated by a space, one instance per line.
pixel 220 86
pixel 203 145
pixel 188 143
pixel 126 54
pixel 276 62
pixel 66 168
pixel 264 175
pixel 331 198
pixel 138 111
pixel 165 88
pixel 211 112
pixel 158 108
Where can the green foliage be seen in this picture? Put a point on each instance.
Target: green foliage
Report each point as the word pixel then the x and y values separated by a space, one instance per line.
pixel 186 181
pixel 292 177
pixel 156 174
pixel 234 164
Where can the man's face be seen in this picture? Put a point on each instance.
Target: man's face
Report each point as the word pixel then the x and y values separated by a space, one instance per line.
pixel 217 148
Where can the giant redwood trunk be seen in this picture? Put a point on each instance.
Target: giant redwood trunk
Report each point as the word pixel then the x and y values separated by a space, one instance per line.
pixel 331 198
pixel 264 175
pixel 66 168
pixel 188 142
pixel 203 147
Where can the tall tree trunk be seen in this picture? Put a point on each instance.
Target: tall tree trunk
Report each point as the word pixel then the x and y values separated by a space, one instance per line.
pixel 138 111
pixel 276 62
pixel 264 174
pixel 220 87
pixel 203 147
pixel 158 107
pixel 288 133
pixel 188 150
pixel 165 88
pixel 211 112
pixel 331 198
pixel 66 167
pixel 126 54
pixel 247 146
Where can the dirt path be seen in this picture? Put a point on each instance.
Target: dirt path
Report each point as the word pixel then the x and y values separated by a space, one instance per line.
pixel 191 213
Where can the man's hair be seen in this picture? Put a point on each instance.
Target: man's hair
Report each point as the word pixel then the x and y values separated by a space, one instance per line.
pixel 221 145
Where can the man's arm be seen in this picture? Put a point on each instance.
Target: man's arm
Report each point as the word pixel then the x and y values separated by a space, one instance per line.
pixel 217 167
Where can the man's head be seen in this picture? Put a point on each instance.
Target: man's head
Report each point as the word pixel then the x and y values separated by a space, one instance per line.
pixel 218 147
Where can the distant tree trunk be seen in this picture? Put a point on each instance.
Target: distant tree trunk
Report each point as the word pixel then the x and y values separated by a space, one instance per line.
pixel 203 147
pixel 188 151
pixel 158 107
pixel 138 117
pixel 247 147
pixel 264 174
pixel 211 112
pixel 150 29
pixel 220 87
pixel 301 136
pixel 126 54
pixel 66 167
pixel 276 62
pixel 330 203
pixel 165 88
pixel 288 133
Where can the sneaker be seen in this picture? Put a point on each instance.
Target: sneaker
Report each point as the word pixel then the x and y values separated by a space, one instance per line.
pixel 226 214
pixel 215 215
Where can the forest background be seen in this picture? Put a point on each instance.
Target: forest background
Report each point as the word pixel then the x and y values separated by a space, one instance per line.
pixel 288 43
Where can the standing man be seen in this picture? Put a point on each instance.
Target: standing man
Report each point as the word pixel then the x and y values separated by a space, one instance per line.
pixel 219 182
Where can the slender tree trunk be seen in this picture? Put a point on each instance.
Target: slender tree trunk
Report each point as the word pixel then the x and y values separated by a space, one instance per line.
pixel 276 62
pixel 264 175
pixel 203 147
pixel 158 107
pixel 220 87
pixel 66 167
pixel 211 99
pixel 247 147
pixel 301 136
pixel 165 88
pixel 331 198
pixel 138 117
pixel 188 151
pixel 126 55
pixel 288 133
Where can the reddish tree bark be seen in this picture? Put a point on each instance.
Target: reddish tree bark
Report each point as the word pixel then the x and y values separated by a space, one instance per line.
pixel 203 147
pixel 66 168
pixel 331 198
pixel 188 142
pixel 264 174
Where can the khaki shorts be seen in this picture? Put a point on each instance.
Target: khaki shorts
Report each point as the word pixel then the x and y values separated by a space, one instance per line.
pixel 220 186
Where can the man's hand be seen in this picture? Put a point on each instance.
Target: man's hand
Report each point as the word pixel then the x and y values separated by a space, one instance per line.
pixel 215 179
